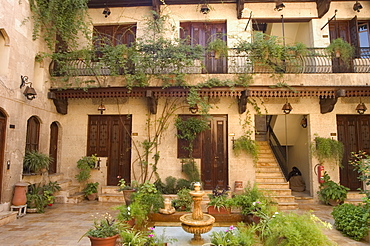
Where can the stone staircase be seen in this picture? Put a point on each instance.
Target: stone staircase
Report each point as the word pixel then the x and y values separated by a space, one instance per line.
pixel 110 194
pixel 270 178
pixel 354 197
pixel 69 192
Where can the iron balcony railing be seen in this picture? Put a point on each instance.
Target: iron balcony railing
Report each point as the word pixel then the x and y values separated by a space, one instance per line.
pixel 317 60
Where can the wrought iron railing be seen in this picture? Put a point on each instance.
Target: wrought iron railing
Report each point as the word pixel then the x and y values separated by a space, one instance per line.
pixel 278 150
pixel 317 60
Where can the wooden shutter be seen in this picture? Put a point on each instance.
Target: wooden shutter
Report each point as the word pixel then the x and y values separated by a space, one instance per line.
pixel 33 133
pixel 353 29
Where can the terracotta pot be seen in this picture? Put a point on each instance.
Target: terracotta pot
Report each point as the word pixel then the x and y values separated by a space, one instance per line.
pixel 251 218
pixel 20 197
pixel 131 222
pixel 92 197
pixel 213 210
pixel 107 241
pixel 127 195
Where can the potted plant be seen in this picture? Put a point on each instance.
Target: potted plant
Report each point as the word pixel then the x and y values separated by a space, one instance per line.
pixel 327 149
pixel 219 202
pixel 219 47
pixel 341 49
pixel 183 201
pixel 332 193
pixel 91 191
pixel 36 162
pixel 35 199
pixel 85 164
pixel 127 189
pixel 104 232
pixel 247 145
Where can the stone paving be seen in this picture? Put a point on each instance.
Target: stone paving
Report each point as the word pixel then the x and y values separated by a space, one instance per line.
pixel 64 224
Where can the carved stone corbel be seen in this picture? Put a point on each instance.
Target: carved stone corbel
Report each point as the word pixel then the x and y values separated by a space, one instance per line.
pixel 242 102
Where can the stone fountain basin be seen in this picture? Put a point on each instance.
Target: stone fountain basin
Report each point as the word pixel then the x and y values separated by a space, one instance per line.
pixel 188 220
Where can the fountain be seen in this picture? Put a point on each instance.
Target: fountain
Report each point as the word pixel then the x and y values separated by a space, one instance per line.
pixel 197 223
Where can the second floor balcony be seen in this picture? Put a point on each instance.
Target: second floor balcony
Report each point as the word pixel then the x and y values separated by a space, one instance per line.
pixel 316 60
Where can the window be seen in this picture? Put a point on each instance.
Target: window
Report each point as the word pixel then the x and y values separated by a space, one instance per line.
pixel 114 35
pixel 33 133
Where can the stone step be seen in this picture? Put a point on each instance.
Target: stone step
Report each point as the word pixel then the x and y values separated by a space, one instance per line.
pixel 355 195
pixel 269 174
pixel 70 190
pixel 75 198
pixel 261 180
pixel 7 217
pixel 64 184
pixel 267 169
pixel 288 206
pixel 111 197
pixel 282 185
pixel 284 199
pixel 110 190
pixel 267 160
pixel 277 192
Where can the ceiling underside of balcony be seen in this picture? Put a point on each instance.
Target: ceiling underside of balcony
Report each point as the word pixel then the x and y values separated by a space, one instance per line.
pixel 252 91
pixel 322 5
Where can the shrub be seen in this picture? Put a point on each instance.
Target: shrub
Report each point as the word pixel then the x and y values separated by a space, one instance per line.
pixel 290 229
pixel 353 221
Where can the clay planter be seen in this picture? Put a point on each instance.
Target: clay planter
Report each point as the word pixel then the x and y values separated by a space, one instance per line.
pixel 107 241
pixel 127 195
pixel 92 197
pixel 252 219
pixel 222 210
pixel 334 202
pixel 20 197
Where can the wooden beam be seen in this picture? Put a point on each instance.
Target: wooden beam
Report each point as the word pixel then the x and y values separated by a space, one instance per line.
pixel 239 8
pixel 322 7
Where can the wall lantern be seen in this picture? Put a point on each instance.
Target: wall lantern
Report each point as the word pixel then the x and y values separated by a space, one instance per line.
pixel 279 5
pixel 29 92
pixel 304 121
pixel 194 109
pixel 361 108
pixel 287 108
pixel 204 9
pixel 357 6
pixel 106 11
pixel 101 108
pixel 232 135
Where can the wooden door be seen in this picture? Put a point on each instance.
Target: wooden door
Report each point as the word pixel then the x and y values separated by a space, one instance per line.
pixel 214 162
pixel 53 148
pixel 110 136
pixel 354 133
pixel 2 149
pixel 341 29
pixel 199 33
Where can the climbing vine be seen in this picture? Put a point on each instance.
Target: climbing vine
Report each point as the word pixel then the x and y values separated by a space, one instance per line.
pixel 66 19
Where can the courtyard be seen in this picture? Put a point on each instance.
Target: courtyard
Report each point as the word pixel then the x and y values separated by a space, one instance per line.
pixel 64 224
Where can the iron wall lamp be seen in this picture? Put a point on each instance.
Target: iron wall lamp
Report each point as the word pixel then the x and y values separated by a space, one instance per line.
pixel 357 6
pixel 279 5
pixel 204 9
pixel 361 108
pixel 287 108
pixel 232 139
pixel 304 121
pixel 106 12
pixel 194 109
pixel 29 92
pixel 101 108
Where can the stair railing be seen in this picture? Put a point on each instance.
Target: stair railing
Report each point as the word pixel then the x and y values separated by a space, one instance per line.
pixel 278 150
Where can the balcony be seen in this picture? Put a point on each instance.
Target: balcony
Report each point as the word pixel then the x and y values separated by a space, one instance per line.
pixel 316 61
